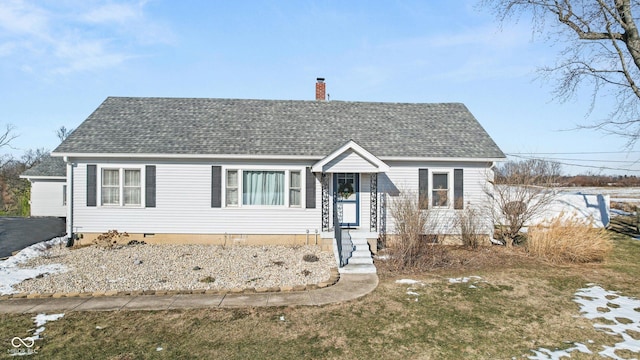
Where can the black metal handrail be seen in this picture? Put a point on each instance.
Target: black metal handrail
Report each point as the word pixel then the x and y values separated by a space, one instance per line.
pixel 337 229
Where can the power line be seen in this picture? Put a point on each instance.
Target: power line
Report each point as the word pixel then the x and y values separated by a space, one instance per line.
pixel 631 162
pixel 577 165
pixel 578 153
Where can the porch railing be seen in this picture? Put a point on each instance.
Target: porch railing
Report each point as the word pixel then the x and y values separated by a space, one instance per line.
pixel 341 235
pixel 337 229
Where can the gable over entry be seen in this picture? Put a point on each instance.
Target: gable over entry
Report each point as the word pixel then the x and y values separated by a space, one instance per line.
pixel 350 157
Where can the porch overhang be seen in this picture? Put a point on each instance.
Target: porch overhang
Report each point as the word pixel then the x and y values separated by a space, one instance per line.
pixel 350 157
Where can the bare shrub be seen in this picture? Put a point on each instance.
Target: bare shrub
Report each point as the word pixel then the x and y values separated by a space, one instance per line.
pixel 520 191
pixel 411 248
pixel 110 239
pixel 568 241
pixel 468 221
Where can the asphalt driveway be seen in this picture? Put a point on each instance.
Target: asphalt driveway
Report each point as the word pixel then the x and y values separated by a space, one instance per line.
pixel 16 233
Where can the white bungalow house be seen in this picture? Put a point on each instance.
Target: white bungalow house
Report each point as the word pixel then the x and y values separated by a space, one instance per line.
pixel 238 171
pixel 48 187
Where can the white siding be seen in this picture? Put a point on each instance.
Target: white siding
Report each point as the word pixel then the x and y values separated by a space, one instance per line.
pixel 47 198
pixel 403 179
pixel 183 199
pixel 183 205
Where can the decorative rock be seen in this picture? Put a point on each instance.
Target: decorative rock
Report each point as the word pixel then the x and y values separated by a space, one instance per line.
pixel 172 268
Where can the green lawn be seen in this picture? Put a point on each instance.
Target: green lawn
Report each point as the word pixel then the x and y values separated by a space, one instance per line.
pixel 518 305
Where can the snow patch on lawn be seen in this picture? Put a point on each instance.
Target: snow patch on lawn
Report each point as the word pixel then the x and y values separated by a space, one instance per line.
pixel 11 273
pixel 41 320
pixel 464 280
pixel 407 282
pixel 597 303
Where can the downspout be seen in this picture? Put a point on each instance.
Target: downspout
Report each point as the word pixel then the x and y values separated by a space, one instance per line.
pixel 71 238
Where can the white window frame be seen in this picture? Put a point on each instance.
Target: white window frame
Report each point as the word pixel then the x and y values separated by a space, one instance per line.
pixel 237 188
pixel 298 188
pixel 432 189
pixel 287 187
pixel 121 169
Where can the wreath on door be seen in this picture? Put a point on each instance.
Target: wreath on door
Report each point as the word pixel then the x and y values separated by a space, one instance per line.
pixel 345 190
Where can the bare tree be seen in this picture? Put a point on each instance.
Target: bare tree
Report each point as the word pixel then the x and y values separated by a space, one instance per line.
pixel 521 191
pixel 32 157
pixel 62 133
pixel 7 136
pixel 602 51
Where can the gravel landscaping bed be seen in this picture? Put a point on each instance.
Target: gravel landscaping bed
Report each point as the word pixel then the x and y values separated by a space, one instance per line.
pixel 178 267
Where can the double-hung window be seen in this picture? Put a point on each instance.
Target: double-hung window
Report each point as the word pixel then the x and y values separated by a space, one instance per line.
pixel 121 187
pixel 440 192
pixel 295 188
pixel 132 189
pixel 232 188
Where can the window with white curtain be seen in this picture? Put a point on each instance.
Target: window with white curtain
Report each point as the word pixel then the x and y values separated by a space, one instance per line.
pixel 121 187
pixel 263 187
pixel 132 189
pixel 110 187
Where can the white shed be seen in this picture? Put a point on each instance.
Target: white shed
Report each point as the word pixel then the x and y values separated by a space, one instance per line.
pixel 48 187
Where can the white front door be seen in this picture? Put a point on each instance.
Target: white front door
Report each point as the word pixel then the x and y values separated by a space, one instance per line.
pixel 347 189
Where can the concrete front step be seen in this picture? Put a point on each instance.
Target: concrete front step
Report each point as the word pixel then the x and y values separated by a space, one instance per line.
pixel 361 253
pixel 357 269
pixel 360 260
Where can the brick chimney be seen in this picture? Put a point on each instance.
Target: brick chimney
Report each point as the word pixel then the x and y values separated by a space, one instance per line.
pixel 320 89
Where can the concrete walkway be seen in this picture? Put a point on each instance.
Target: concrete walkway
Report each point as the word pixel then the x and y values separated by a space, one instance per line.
pixel 349 287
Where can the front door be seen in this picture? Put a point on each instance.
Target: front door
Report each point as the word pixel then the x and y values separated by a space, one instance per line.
pixel 347 189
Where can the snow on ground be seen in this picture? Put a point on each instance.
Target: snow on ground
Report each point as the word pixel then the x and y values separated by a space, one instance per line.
pixel 622 314
pixel 41 320
pixel 464 280
pixel 25 346
pixel 11 273
pixel 408 282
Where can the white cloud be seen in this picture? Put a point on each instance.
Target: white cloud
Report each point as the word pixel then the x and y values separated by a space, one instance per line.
pixel 112 12
pixel 19 17
pixel 72 36
pixel 86 55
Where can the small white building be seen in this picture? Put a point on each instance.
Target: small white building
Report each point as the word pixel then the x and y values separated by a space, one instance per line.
pixel 48 187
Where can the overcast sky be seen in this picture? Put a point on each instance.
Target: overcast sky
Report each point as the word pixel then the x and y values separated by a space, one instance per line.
pixel 59 59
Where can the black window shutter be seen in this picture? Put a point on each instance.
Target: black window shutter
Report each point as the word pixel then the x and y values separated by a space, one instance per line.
pixel 458 189
pixel 92 190
pixel 216 186
pixel 310 189
pixel 423 188
pixel 150 186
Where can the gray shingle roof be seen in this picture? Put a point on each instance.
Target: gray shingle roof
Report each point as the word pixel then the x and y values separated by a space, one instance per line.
pixel 279 127
pixel 48 166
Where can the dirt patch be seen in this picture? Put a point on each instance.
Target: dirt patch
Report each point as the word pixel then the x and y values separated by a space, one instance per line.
pixel 467 260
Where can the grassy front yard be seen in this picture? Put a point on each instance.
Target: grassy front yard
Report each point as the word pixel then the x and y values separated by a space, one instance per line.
pixel 518 304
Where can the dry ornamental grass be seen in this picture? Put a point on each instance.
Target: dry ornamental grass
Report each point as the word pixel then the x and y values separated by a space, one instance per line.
pixel 568 240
